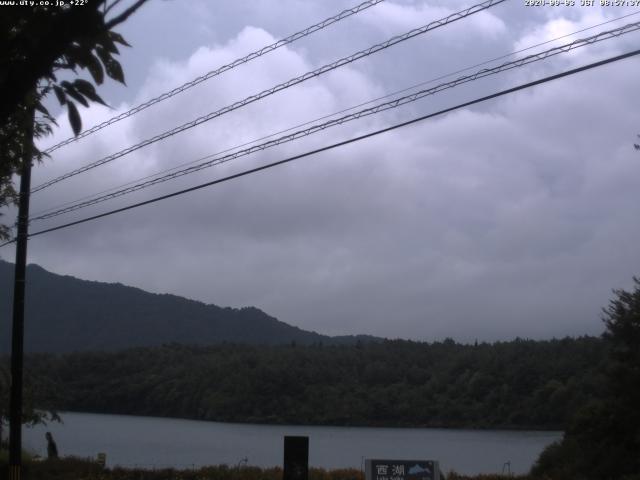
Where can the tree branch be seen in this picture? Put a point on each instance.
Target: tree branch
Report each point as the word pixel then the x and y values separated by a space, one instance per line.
pixel 108 8
pixel 124 15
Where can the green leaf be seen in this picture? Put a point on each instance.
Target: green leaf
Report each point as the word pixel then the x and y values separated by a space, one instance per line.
pixel 71 57
pixel 86 59
pixel 87 89
pixel 112 66
pixel 42 109
pixel 110 47
pixel 107 43
pixel 62 98
pixel 105 57
pixel 74 118
pixel 116 37
pixel 114 70
pixel 95 69
pixel 73 93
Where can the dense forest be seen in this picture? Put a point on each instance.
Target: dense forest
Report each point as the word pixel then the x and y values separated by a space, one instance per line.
pixel 602 438
pixel 517 384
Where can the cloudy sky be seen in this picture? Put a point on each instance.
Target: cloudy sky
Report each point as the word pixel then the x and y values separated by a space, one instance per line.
pixel 515 217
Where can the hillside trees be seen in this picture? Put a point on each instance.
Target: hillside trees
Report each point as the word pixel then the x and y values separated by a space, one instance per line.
pixel 603 438
pixel 39 390
pixel 393 383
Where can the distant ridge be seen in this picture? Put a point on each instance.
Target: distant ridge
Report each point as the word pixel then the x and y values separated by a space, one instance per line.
pixel 67 314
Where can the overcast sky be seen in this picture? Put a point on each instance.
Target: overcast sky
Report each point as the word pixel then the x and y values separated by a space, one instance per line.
pixel 516 217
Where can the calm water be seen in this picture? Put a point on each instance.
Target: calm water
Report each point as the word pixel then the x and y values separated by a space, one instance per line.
pixel 162 442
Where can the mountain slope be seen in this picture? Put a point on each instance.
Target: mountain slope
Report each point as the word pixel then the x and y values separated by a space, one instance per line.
pixel 65 314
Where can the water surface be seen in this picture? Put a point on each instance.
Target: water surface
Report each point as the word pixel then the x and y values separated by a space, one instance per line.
pixel 166 442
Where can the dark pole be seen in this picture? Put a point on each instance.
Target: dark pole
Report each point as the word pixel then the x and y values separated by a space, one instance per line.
pixel 17 332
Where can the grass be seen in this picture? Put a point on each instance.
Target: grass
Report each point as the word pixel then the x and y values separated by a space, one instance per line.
pixel 72 468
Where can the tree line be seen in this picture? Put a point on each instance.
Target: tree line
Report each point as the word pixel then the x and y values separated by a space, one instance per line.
pixel 516 384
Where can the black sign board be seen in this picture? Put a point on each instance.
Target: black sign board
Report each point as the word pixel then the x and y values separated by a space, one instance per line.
pixel 296 458
pixel 402 470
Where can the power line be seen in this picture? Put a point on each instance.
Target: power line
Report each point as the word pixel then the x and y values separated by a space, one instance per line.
pixel 213 73
pixel 309 122
pixel 345 142
pixel 347 118
pixel 265 93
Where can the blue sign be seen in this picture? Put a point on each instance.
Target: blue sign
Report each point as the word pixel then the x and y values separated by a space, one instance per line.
pixel 402 470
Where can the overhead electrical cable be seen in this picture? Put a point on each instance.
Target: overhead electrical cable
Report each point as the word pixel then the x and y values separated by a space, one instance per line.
pixel 309 122
pixel 342 143
pixel 347 118
pixel 213 73
pixel 265 93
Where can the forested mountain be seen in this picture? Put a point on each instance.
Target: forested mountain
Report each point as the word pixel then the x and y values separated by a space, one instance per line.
pixel 206 362
pixel 66 314
pixel 517 384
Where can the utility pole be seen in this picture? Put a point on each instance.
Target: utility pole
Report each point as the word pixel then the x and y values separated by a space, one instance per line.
pixel 17 331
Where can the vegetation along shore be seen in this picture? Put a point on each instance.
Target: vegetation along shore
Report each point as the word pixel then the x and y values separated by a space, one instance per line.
pixel 520 384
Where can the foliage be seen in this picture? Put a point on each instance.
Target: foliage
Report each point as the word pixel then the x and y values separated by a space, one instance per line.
pixel 518 384
pixel 39 43
pixel 603 438
pixel 36 389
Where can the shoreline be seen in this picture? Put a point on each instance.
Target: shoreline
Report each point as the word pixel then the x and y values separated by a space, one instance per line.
pixel 327 425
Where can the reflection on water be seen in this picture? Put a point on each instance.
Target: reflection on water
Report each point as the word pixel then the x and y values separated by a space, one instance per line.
pixel 162 442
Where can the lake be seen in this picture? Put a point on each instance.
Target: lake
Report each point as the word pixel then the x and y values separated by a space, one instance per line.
pixel 149 442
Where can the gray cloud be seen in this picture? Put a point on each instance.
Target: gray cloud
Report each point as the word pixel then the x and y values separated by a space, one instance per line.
pixel 513 218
